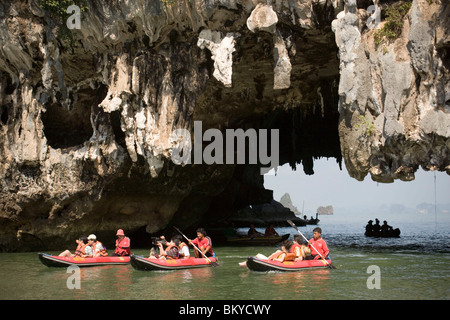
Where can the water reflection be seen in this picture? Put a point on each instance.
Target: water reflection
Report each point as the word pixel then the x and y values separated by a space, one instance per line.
pixel 174 285
pixel 102 282
pixel 298 285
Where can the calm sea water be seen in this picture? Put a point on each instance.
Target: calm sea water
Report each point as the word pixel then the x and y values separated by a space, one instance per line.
pixel 414 266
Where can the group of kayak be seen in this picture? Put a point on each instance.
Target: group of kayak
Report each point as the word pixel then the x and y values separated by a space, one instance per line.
pixel 174 254
pixel 164 255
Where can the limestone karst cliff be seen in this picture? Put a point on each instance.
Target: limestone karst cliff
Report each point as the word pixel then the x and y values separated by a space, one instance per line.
pixel 87 114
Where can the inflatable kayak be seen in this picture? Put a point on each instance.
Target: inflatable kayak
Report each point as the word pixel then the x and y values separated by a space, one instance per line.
pixel 256 264
pixel 56 261
pixel 256 241
pixel 141 263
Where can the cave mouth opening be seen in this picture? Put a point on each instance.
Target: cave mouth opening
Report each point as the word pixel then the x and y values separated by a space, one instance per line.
pixel 65 128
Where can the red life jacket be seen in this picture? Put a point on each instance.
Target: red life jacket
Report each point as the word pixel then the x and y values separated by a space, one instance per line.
pixel 123 247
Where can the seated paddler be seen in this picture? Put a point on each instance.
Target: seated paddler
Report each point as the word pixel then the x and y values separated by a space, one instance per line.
pixel 318 246
pixel 203 243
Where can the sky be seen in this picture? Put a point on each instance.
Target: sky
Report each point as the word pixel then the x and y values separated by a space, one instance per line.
pixel 331 186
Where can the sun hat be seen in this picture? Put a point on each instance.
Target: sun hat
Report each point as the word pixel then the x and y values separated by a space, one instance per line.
pixel 120 233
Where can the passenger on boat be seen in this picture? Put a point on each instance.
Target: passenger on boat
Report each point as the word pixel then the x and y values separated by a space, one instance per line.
pixel 98 249
pixel 301 251
pixel 184 248
pixel 122 244
pixel 203 242
pixel 171 251
pixel 153 254
pixel 252 232
pixel 270 232
pixel 369 227
pixel 318 246
pixel 385 227
pixel 284 254
pixel 377 227
pixel 81 243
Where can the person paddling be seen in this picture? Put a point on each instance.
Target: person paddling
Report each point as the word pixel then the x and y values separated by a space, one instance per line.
pixel 203 242
pixel 122 244
pixel 318 246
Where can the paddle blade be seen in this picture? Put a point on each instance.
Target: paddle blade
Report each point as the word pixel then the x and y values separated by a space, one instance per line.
pixel 292 224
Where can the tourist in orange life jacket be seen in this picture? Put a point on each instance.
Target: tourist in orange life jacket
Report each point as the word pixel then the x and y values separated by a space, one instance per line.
pixel 122 244
pixel 318 246
pixel 98 249
pixel 284 254
pixel 299 249
pixel 171 251
pixel 203 242
pixel 81 243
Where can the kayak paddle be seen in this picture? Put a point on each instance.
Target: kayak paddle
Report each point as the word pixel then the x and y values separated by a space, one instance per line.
pixel 214 264
pixel 295 227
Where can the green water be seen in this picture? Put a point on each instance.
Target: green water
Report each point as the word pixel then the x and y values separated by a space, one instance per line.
pixel 416 266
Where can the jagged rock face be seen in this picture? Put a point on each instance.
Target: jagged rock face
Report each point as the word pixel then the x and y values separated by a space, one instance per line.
pixel 86 121
pixel 394 96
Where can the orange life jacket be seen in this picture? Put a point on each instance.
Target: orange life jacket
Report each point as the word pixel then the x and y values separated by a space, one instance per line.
pixel 288 256
pixel 299 250
pixel 102 252
pixel 169 248
pixel 80 251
